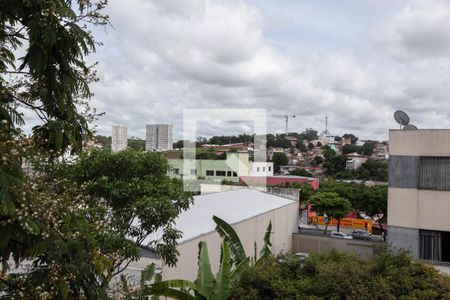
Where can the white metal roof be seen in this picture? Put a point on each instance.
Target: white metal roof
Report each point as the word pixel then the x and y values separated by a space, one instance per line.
pixel 231 206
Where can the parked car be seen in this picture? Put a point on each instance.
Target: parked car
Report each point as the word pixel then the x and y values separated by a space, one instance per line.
pixel 340 235
pixel 361 234
pixel 302 255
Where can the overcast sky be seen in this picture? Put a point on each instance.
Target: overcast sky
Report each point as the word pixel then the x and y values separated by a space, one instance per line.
pixel 353 61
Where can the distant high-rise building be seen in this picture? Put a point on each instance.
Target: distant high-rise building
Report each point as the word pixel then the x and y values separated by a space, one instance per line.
pixel 158 137
pixel 119 138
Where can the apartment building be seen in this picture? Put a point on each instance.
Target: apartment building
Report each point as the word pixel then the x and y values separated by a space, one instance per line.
pixel 119 138
pixel 419 192
pixel 158 137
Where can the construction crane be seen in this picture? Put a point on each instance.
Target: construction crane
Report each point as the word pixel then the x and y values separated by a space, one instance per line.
pixel 286 118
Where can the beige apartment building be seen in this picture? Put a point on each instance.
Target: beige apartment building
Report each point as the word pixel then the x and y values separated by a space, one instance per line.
pixel 419 192
pixel 158 137
pixel 119 138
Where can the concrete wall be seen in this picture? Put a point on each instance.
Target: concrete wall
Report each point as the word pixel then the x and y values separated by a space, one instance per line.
pixel 310 243
pixel 425 142
pixel 284 223
pixel 404 171
pixel 216 188
pixel 406 238
pixel 424 209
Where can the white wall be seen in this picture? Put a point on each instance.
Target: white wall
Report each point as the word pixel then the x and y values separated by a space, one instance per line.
pixel 216 188
pixel 284 223
pixel 261 169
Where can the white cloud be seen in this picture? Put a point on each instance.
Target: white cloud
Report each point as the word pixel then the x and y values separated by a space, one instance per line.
pixel 163 56
pixel 420 31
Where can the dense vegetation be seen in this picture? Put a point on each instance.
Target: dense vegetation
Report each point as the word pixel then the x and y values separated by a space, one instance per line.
pixel 77 220
pixel 133 142
pixel 370 170
pixel 371 200
pixel 279 159
pixel 343 276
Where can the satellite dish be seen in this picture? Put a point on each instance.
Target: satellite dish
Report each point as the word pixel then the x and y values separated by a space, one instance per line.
pixel 410 127
pixel 401 117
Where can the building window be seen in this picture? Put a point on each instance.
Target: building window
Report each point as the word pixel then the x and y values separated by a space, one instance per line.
pixel 234 174
pixel 220 173
pixel 264 169
pixel 434 245
pixel 270 169
pixel 434 173
pixel 193 171
pixel 209 173
pixel 229 173
pixel 429 245
pixel 257 169
pixel 176 171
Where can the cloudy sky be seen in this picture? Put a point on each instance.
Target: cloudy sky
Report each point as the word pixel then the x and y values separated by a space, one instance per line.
pixel 353 61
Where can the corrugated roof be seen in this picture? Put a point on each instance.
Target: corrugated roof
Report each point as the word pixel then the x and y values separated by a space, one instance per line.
pixel 231 206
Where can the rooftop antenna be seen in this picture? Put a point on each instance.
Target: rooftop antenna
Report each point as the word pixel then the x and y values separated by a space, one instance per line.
pixel 410 127
pixel 401 118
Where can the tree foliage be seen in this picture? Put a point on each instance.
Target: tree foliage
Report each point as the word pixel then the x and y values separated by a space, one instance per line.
pixel 278 140
pixel 300 172
pixel 137 195
pixel 279 159
pixel 306 190
pixel 365 149
pixel 334 275
pixel 330 204
pixel 371 200
pixel 334 164
pixel 57 224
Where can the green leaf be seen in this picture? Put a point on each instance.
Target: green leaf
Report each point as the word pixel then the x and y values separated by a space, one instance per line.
pixel 6 205
pixel 229 235
pixel 34 227
pixel 58 138
pixel 147 274
pixel 222 289
pixel 266 249
pixel 171 288
pixel 205 278
pixel 240 268
pixel 63 289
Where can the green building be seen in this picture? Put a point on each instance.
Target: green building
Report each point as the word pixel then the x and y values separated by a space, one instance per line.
pixel 237 164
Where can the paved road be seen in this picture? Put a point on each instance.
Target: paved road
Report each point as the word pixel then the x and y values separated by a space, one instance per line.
pixel 319 232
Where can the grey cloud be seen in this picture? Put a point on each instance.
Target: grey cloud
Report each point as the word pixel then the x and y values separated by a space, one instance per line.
pixel 163 56
pixel 420 31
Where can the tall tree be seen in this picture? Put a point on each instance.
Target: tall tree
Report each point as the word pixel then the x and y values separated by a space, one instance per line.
pixel 374 203
pixel 50 79
pixel 279 159
pixel 330 204
pixel 60 225
pixel 138 196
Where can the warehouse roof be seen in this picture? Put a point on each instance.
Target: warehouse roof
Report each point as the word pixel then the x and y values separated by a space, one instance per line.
pixel 231 206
